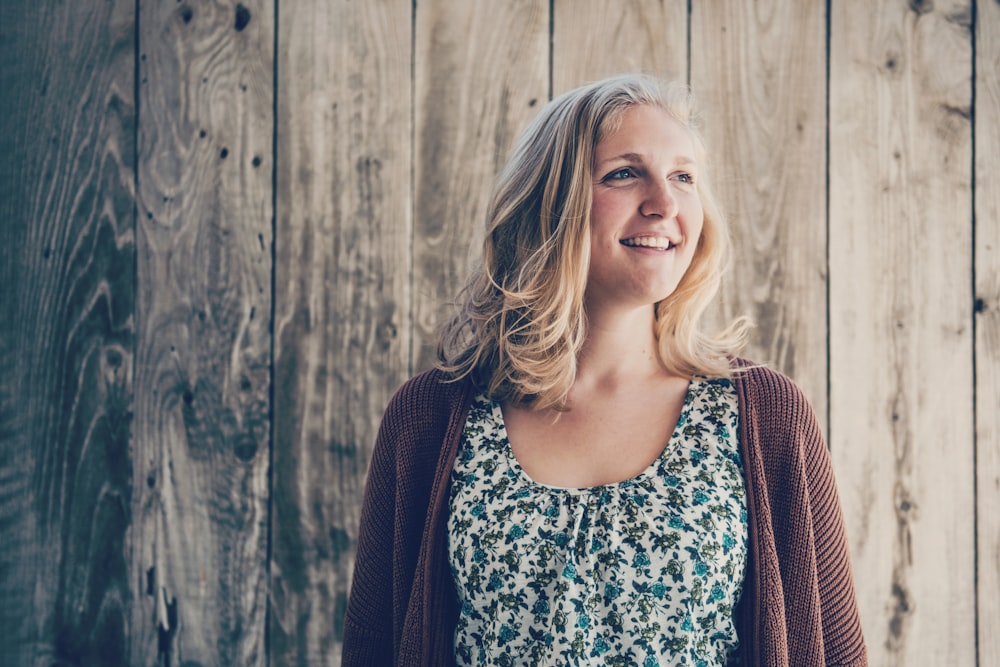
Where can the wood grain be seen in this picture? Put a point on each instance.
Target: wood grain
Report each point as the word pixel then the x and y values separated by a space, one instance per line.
pixel 135 353
pixel 900 334
pixel 987 323
pixel 758 70
pixel 199 539
pixel 342 297
pixel 592 39
pixel 480 73
pixel 66 334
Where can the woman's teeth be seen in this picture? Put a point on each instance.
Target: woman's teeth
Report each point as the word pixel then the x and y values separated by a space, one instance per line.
pixel 647 242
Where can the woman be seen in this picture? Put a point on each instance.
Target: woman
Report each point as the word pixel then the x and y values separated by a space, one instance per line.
pixel 589 478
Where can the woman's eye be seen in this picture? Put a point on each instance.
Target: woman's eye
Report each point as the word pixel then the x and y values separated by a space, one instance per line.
pixel 685 178
pixel 620 175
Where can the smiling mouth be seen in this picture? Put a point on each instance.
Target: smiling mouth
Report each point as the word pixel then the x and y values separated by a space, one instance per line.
pixel 657 242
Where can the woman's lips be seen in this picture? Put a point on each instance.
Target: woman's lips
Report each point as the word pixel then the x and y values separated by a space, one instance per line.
pixel 657 242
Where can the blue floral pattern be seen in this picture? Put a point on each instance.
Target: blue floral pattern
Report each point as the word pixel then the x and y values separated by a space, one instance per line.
pixel 643 572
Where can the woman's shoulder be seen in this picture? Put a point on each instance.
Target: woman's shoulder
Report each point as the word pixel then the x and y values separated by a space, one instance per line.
pixel 432 385
pixel 770 395
pixel 764 382
pixel 419 419
pixel 429 396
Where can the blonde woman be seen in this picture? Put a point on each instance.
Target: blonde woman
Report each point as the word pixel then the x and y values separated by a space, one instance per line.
pixel 589 477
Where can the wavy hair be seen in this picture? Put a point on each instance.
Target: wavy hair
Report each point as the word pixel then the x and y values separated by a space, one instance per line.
pixel 520 322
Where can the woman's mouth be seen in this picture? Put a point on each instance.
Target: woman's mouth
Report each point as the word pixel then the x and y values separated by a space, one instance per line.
pixel 657 242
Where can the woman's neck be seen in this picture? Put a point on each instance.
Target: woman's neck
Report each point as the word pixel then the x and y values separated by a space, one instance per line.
pixel 620 349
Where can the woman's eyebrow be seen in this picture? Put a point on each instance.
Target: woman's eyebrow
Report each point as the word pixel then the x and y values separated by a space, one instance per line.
pixel 636 157
pixel 624 157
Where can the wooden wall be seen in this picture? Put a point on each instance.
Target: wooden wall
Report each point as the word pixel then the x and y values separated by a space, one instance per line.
pixel 228 231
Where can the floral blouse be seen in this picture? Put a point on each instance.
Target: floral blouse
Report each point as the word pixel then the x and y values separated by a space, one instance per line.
pixel 642 572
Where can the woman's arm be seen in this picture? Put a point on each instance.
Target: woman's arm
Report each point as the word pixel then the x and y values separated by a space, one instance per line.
pixel 801 607
pixel 368 637
pixel 415 446
pixel 842 637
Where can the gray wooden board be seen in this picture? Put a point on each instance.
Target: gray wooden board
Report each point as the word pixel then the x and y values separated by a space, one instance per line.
pixel 480 74
pixel 199 537
pixel 66 339
pixel 987 323
pixel 901 378
pixel 592 39
pixel 759 70
pixel 342 307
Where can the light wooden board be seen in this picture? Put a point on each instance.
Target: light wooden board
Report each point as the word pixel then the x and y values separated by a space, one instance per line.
pixel 592 39
pixel 342 310
pixel 759 72
pixel 480 73
pixel 66 334
pixel 901 338
pixel 201 430
pixel 987 322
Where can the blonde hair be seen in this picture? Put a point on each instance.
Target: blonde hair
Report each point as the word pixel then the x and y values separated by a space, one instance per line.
pixel 521 321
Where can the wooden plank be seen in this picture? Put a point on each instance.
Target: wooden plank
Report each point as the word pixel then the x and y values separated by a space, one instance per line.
pixel 900 315
pixel 481 72
pixel 592 39
pixel 759 72
pixel 987 322
pixel 342 306
pixel 66 335
pixel 199 544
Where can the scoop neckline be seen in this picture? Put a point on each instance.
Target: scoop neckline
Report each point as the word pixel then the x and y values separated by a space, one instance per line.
pixel 671 444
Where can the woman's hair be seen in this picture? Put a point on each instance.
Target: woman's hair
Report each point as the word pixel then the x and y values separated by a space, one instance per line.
pixel 521 321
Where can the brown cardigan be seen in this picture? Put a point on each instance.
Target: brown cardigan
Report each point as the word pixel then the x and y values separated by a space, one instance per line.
pixel 797 608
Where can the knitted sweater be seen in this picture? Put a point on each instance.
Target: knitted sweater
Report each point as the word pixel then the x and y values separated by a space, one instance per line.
pixel 798 605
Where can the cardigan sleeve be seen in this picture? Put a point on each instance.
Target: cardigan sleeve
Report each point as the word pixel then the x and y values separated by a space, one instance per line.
pixel 805 603
pixel 380 628
pixel 842 636
pixel 368 637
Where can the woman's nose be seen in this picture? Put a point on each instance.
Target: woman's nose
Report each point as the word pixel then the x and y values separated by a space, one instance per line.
pixel 659 201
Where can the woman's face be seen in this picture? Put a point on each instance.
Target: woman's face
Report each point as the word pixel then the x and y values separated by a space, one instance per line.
pixel 646 214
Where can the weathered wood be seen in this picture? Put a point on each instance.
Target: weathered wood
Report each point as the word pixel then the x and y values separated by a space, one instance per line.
pixel 66 333
pixel 199 539
pixel 341 294
pixel 592 39
pixel 900 321
pixel 143 539
pixel 759 71
pixel 987 322
pixel 481 72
